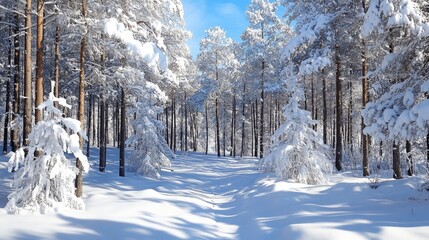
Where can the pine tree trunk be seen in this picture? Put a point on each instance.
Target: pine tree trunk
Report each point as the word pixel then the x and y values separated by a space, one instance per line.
pixel 16 85
pixel 234 125
pixel 94 122
pixel 207 129
pixel 217 127
pixel 182 132
pixel 89 124
pixel 313 108
pixel 39 60
pixel 427 151
pixel 167 135
pixel 325 109
pixel 7 107
pixel 339 113
pixel 252 128
pixel 195 133
pixel 350 118
pixel 174 138
pixel 255 124
pixel 172 125
pixel 365 142
pixel 102 165
pixel 106 128
pixel 27 115
pixel 186 123
pixel 270 129
pixel 410 163
pixel 397 174
pixel 81 109
pixel 57 62
pixel 224 131
pixel 122 140
pixel 261 133
pixel 243 121
pixel 6 119
pixel 117 127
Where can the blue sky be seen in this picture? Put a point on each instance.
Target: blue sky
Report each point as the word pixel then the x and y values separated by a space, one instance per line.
pixel 203 14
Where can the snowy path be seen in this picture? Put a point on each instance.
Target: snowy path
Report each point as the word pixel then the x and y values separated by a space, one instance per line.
pixel 210 198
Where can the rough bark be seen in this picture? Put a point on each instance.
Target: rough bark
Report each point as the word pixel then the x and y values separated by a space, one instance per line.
pixel 122 140
pixel 81 108
pixel 365 145
pixel 57 61
pixel 7 103
pixel 186 123
pixel 207 129
pixel 397 173
pixel 89 123
pixel 261 133
pixel 16 84
pixel 217 127
pixel 27 114
pixel 102 120
pixel 410 163
pixel 325 109
pixel 243 121
pixel 39 60
pixel 339 113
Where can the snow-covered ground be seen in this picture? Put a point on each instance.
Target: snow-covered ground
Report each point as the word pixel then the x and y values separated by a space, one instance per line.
pixel 210 198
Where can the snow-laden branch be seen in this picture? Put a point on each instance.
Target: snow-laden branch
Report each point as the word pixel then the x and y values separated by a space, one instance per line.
pixel 148 51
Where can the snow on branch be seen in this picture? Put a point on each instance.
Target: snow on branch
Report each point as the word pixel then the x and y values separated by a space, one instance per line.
pixel 148 51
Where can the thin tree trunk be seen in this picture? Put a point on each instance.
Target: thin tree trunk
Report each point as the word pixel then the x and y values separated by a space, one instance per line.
pixel 89 124
pixel 106 128
pixel 122 140
pixel 57 61
pixel 252 128
pixel 350 118
pixel 94 123
pixel 182 132
pixel 410 163
pixel 174 125
pixel 195 134
pixel 81 109
pixel 39 60
pixel 167 136
pixel 118 117
pixel 207 129
pixel 16 87
pixel 339 111
pixel 27 115
pixel 397 174
pixel 313 108
pixel 217 127
pixel 224 131
pixel 102 117
pixel 243 121
pixel 365 145
pixel 256 125
pixel 186 123
pixel 234 125
pixel 325 109
pixel 261 133
pixel 7 107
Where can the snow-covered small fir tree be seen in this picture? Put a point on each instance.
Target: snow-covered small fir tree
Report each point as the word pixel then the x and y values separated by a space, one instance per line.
pixel 297 151
pixel 44 178
pixel 151 152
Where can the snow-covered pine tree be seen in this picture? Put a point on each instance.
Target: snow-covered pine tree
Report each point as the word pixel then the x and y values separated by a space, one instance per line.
pixel 297 151
pixel 45 182
pixel 151 151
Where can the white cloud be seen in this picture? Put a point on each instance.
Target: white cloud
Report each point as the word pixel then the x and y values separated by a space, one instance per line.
pixel 228 9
